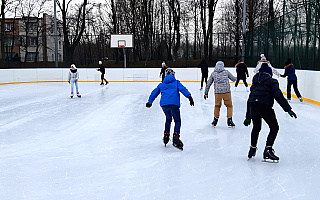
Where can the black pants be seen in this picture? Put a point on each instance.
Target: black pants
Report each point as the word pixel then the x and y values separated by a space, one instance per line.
pixel 102 78
pixel 258 112
pixel 203 78
pixel 295 87
pixel 244 81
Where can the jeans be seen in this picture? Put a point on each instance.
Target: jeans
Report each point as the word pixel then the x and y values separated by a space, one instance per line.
pixel 295 87
pixel 258 112
pixel 172 111
pixel 72 85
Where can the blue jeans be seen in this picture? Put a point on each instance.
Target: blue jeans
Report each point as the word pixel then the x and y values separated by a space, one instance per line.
pixel 172 111
pixel 75 83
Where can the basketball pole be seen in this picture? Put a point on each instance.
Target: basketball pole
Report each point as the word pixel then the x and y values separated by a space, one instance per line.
pixel 244 31
pixel 124 57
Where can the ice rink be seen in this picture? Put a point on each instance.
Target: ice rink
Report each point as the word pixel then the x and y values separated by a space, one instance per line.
pixel 108 145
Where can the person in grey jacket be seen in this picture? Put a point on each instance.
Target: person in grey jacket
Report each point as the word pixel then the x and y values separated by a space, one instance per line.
pixel 220 76
pixel 73 78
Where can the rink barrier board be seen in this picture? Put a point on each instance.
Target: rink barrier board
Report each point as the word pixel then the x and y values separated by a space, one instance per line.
pixel 292 95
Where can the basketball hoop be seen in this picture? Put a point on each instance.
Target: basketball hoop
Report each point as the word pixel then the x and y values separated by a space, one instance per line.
pixel 121 46
pixel 121 43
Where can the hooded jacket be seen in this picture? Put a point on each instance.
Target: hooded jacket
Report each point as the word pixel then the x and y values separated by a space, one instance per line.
pixel 242 70
pixel 73 75
pixel 220 77
pixel 204 68
pixel 102 69
pixel 290 72
pixel 264 90
pixel 169 89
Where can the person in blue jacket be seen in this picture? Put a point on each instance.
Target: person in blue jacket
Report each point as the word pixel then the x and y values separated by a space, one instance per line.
pixel 170 104
pixel 292 80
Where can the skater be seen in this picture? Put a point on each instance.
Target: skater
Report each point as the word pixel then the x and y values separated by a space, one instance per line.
pixel 264 90
pixel 170 104
pixel 220 77
pixel 163 70
pixel 204 72
pixel 73 78
pixel 292 80
pixel 264 60
pixel 103 71
pixel 242 74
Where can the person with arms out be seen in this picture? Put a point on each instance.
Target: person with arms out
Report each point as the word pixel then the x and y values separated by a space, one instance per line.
pixel 73 78
pixel 264 60
pixel 163 70
pixel 264 90
pixel 220 76
pixel 242 74
pixel 204 72
pixel 291 80
pixel 103 71
pixel 170 90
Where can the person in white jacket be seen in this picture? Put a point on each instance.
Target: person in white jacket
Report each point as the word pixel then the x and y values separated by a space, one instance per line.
pixel 264 60
pixel 73 78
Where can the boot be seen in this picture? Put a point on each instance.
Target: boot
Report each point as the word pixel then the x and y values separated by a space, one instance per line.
pixel 78 95
pixel 166 138
pixel 269 154
pixel 300 99
pixel 252 152
pixel 215 121
pixel 177 142
pixel 230 123
pixel 71 95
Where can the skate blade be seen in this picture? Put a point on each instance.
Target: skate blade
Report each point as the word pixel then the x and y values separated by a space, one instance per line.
pixel 181 148
pixel 267 160
pixel 231 126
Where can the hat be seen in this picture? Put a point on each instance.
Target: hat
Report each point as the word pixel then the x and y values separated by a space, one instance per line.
pixel 265 68
pixel 263 57
pixel 169 71
pixel 73 66
pixel 100 62
pixel 163 64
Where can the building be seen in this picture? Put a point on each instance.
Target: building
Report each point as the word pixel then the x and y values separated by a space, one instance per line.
pixel 31 39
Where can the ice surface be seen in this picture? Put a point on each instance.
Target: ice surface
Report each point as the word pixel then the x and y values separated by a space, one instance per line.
pixel 108 145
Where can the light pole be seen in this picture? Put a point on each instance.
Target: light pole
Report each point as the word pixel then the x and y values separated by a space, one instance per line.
pixel 55 34
pixel 243 31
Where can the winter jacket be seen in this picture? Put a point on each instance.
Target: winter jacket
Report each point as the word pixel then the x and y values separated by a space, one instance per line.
pixel 220 77
pixel 169 89
pixel 264 90
pixel 242 70
pixel 73 75
pixel 290 72
pixel 274 71
pixel 204 69
pixel 102 69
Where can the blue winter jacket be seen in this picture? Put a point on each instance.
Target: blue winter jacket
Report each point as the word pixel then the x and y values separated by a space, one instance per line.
pixel 169 89
pixel 290 72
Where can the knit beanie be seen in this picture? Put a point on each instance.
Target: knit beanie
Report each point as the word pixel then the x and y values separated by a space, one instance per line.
pixel 265 68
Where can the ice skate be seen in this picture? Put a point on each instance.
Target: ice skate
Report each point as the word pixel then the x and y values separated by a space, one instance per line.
pixel 300 99
pixel 177 142
pixel 235 89
pixel 215 121
pixel 201 88
pixel 252 152
pixel 289 100
pixel 107 83
pixel 269 156
pixel 247 89
pixel 101 83
pixel 71 95
pixel 78 95
pixel 166 138
pixel 230 123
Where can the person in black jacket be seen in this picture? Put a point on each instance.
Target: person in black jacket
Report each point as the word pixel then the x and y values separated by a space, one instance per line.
pixel 264 90
pixel 204 71
pixel 103 71
pixel 163 70
pixel 292 80
pixel 242 74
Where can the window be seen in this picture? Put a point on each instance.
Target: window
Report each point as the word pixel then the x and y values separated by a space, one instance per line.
pixel 31 56
pixel 52 57
pixel 32 41
pixel 9 42
pixel 59 44
pixel 32 26
pixel 8 26
pixel 60 58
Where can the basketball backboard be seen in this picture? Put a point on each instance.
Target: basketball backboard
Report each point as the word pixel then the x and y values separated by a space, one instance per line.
pixel 120 41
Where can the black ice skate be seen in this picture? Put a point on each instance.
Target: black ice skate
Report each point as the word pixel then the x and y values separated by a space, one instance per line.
pixel 166 138
pixel 78 95
pixel 252 152
pixel 230 123
pixel 215 121
pixel 268 155
pixel 177 142
pixel 101 83
pixel 71 95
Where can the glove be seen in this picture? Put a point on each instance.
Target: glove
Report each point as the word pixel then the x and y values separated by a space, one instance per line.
pixel 191 100
pixel 247 122
pixel 148 105
pixel 69 82
pixel 205 96
pixel 292 114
